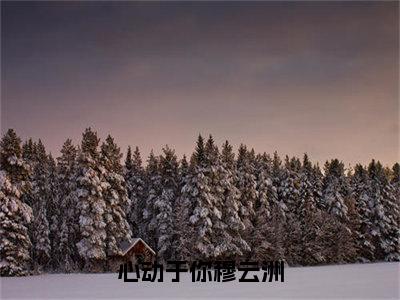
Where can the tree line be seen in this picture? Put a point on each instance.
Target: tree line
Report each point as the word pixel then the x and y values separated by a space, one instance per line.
pixel 71 213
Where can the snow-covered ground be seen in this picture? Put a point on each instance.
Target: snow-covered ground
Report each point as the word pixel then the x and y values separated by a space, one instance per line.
pixel 363 281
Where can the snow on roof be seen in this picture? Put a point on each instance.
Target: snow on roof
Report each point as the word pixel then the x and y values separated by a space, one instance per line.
pixel 126 246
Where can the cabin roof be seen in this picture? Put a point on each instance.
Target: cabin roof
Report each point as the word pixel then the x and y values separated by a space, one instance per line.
pixel 126 246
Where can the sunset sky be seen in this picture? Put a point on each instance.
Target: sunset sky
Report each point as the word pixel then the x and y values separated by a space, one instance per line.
pixel 315 77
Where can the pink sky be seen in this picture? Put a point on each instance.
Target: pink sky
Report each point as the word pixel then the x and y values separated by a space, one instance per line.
pixel 295 77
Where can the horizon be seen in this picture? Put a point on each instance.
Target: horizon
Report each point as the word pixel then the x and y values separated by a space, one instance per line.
pixel 235 148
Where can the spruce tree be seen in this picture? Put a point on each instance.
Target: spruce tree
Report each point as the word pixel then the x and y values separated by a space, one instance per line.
pixel 199 199
pixel 115 197
pixel 308 214
pixel 270 221
pixel 181 215
pixel 361 192
pixel 41 194
pixel 219 238
pixel 385 213
pixel 236 246
pixel 15 215
pixel 225 238
pixel 247 185
pixel 317 179
pixel 136 186
pixel 393 211
pixel 164 204
pixel 289 188
pixel 395 181
pixel 90 189
pixel 335 189
pixel 262 239
pixel 154 190
pixel 68 201
pixel 29 158
pixel 54 214
pixel 277 174
pixel 336 193
pixel 28 151
pixel 289 194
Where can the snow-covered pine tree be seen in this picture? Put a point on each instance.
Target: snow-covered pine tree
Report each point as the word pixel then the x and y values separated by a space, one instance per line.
pixel 277 204
pixel 274 225
pixel 393 210
pixel 115 197
pixel 164 204
pixel 335 242
pixel 154 190
pixel 360 190
pixel 54 214
pixel 15 215
pixel 335 189
pixel 247 185
pixel 40 238
pixel 395 181
pixel 263 238
pixel 225 238
pixel 385 214
pixel 309 215
pixel 28 151
pixel 289 188
pixel 29 158
pixel 339 241
pixel 317 180
pixel 289 193
pixel 380 223
pixel 310 185
pixel 198 198
pixel 220 239
pixel 276 168
pixel 68 201
pixel 235 246
pixel 41 194
pixel 91 205
pixel 181 215
pixel 135 181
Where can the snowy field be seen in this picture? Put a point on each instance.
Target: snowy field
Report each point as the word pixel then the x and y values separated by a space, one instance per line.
pixel 368 281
